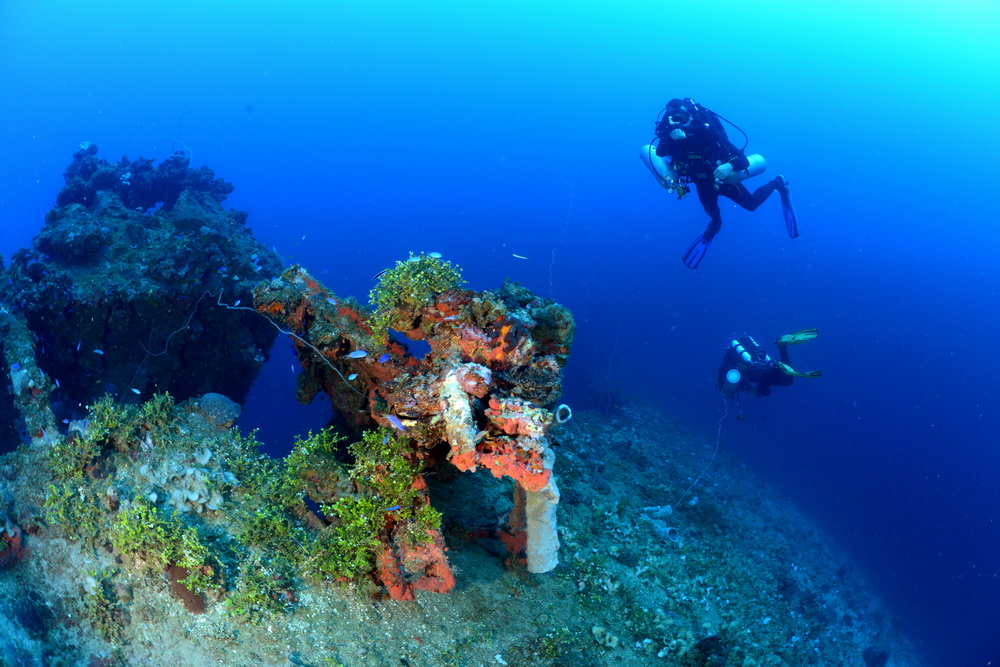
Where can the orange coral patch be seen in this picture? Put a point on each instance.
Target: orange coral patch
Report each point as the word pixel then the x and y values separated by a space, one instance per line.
pixel 429 557
pixel 523 467
pixel 465 461
pixel 391 576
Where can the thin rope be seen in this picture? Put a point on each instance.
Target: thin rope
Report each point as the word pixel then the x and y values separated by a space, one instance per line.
pixel 718 439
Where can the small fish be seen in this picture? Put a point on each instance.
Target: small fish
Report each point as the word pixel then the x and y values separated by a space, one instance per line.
pixel 237 302
pixel 98 351
pixel 57 383
pixel 332 301
pixel 393 508
pixel 293 368
pixel 15 366
pixel 380 274
pixel 394 420
pixel 65 421
pixel 352 376
pixel 135 391
pixel 357 354
pixel 518 256
pixel 385 439
pixel 78 346
pixel 434 255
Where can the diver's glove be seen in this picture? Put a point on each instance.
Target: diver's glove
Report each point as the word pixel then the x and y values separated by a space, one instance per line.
pixel 722 172
pixel 678 134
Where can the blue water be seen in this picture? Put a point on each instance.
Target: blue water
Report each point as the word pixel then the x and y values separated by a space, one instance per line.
pixel 356 132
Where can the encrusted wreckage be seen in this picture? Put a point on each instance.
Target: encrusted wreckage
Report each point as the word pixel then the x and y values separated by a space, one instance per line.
pixel 493 357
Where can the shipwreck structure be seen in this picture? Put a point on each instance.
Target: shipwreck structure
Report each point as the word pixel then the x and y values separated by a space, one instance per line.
pixel 142 286
pixel 484 396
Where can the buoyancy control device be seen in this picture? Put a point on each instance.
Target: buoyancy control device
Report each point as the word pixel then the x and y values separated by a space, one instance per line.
pixel 668 177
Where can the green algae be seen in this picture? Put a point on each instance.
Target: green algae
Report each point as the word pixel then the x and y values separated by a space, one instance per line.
pixel 405 289
pixel 118 480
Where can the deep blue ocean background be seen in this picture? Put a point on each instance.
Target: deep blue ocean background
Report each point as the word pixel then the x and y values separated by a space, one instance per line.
pixel 357 132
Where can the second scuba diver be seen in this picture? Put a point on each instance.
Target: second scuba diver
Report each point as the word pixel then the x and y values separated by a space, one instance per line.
pixel 746 367
pixel 699 151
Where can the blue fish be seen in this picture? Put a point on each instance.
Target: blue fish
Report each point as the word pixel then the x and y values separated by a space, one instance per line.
pixel 393 508
pixel 332 301
pixel 384 358
pixel 385 439
pixel 394 420
pixel 352 376
pixel 357 354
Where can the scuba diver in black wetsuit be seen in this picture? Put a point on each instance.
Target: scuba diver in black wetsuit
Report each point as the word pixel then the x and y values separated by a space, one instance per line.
pixel 747 367
pixel 699 151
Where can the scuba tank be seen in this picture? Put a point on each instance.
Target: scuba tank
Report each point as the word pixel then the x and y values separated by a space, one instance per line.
pixel 756 168
pixel 757 356
pixel 662 170
pixel 664 173
pixel 742 351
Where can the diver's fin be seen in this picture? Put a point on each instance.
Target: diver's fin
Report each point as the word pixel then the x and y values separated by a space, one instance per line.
pixel 801 336
pixel 694 255
pixel 787 210
pixel 788 370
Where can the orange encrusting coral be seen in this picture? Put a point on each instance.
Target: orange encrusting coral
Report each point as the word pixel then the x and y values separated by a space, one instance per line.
pixel 11 548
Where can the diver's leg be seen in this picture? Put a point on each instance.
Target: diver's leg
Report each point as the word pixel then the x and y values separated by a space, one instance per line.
pixel 783 354
pixel 739 193
pixel 709 199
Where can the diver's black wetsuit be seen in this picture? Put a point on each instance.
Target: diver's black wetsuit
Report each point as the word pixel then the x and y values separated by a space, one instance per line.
pixel 758 375
pixel 696 156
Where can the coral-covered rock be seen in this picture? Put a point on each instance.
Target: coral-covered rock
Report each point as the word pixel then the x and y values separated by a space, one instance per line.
pixel 127 282
pixel 219 409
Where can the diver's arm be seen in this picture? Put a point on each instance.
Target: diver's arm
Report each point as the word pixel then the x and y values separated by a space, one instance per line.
pixel 663 148
pixel 734 155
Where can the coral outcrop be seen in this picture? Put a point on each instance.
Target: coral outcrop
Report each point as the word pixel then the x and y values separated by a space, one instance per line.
pixel 120 287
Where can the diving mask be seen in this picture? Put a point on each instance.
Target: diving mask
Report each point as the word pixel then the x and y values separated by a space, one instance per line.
pixel 679 117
